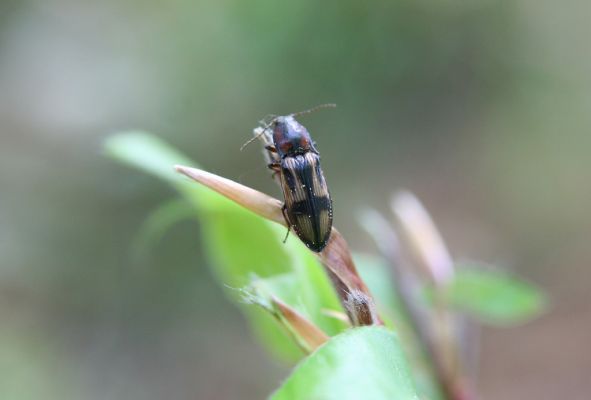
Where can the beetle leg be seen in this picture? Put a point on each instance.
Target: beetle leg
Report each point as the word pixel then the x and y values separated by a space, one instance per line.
pixel 287 234
pixel 283 209
pixel 275 167
pixel 271 148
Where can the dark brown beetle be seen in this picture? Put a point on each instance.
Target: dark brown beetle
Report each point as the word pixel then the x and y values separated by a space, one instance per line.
pixel 308 206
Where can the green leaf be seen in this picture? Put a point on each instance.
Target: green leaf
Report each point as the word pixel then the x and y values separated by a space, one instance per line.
pixel 377 275
pixel 495 297
pixel 315 293
pixel 239 244
pixel 146 152
pixel 361 363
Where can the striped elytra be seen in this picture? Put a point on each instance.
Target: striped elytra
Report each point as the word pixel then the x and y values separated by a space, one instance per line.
pixel 308 206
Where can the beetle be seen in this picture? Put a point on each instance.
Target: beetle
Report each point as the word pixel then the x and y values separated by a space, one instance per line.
pixel 294 158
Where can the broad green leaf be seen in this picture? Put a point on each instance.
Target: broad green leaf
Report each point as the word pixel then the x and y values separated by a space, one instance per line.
pixel 314 290
pixel 494 297
pixel 239 244
pixel 378 277
pixel 154 156
pixel 361 363
pixel 146 152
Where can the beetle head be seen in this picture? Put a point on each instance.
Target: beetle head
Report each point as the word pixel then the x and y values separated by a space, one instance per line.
pixel 291 137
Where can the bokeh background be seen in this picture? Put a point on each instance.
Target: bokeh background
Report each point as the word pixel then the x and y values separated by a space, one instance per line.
pixel 479 107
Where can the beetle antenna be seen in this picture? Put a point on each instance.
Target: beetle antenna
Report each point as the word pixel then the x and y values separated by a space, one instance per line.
pixel 264 120
pixel 255 137
pixel 313 109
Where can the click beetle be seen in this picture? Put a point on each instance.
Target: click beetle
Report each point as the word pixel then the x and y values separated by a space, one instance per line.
pixel 293 156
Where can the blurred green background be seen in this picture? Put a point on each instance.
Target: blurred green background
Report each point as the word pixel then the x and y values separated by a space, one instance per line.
pixel 481 108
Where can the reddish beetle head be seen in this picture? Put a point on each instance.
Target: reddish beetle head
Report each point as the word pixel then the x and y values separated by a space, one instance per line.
pixel 290 137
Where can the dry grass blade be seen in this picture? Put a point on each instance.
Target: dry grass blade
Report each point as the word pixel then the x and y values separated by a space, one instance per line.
pixel 257 202
pixel 305 333
pixel 423 237
pixel 311 336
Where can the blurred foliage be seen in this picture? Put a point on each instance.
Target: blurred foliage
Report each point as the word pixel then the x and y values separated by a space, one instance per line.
pixel 479 107
pixel 363 363
pixel 494 297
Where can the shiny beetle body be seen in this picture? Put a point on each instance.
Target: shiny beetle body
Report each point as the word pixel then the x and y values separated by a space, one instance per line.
pixel 308 207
